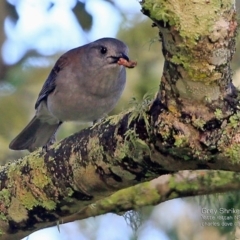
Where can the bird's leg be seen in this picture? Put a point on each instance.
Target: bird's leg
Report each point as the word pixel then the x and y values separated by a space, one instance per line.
pixel 98 120
pixel 52 140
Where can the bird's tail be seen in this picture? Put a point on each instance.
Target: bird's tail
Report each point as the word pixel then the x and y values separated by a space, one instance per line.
pixel 36 134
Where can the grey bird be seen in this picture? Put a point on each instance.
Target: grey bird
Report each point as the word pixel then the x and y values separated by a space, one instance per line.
pixel 84 85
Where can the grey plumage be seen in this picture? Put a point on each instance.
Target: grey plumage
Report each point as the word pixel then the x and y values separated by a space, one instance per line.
pixel 84 85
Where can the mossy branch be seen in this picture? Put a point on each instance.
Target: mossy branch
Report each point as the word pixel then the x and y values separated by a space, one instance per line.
pixel 182 184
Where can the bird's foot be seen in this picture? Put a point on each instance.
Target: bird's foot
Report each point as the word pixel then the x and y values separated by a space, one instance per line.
pixel 51 141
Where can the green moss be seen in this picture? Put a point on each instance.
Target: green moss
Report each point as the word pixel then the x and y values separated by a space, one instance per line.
pixel 199 123
pixel 233 152
pixel 186 158
pixel 95 148
pixel 181 186
pixel 182 59
pixel 30 201
pixel 13 171
pixel 192 66
pixel 49 204
pixel 134 147
pixel 27 199
pixel 180 140
pixel 39 179
pixel 164 130
pixel 181 152
pixel 234 120
pixel 139 110
pixel 218 113
pixel 5 197
pixel 219 178
pixel 3 217
pixel 160 11
pixel 17 212
pixel 196 75
pixel 69 191
pixel 186 18
pixel 212 179
pixel 115 119
pixel 39 173
pixel 140 195
pixel 124 174
pixel 121 151
pixel 192 22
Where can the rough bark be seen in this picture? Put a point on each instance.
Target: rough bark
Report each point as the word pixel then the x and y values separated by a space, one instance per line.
pixel 193 123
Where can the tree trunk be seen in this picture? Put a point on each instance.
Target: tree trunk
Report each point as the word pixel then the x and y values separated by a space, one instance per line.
pixel 192 124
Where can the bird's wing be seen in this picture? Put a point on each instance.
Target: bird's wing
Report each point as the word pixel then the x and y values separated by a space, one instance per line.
pixel 50 83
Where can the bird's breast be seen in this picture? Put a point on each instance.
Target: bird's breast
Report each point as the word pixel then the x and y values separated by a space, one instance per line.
pixel 86 100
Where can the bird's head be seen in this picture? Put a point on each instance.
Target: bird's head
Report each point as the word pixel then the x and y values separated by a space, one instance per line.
pixel 106 52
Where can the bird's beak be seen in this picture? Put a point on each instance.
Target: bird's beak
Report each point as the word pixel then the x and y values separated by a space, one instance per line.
pixel 124 56
pixel 121 55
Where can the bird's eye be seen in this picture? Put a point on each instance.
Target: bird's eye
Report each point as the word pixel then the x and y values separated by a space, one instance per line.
pixel 103 50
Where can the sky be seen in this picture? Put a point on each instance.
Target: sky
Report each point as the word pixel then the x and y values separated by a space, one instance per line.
pixel 57 29
pixel 114 227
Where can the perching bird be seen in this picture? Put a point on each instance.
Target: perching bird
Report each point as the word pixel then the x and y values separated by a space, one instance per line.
pixel 84 85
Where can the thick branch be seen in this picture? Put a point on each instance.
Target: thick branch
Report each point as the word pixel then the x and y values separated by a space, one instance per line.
pixel 90 165
pixel 167 187
pixel 198 39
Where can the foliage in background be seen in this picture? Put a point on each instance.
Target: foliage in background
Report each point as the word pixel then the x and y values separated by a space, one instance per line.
pixel 26 81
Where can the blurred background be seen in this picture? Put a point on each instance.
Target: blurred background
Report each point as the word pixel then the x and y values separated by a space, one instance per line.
pixel 33 34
